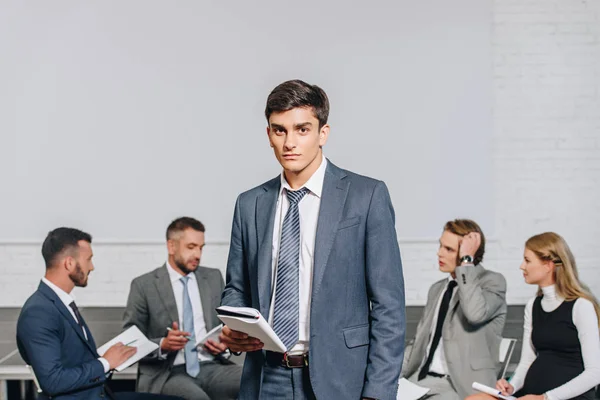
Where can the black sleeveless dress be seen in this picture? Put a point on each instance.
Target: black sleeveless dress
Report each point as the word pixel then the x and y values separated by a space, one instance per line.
pixel 556 343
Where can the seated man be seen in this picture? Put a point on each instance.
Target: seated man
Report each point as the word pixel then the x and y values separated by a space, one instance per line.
pixel 53 337
pixel 180 294
pixel 458 337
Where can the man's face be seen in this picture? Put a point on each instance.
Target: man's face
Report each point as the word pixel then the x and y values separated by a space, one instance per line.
pixel 448 251
pixel 186 250
pixel 82 264
pixel 296 138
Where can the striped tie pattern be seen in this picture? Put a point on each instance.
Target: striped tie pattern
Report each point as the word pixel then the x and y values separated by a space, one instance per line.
pixel 286 313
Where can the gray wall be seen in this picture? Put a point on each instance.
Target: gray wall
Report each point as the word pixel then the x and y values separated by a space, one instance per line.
pixel 120 116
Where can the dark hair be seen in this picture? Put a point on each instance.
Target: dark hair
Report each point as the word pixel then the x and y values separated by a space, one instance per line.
pixel 463 227
pixel 183 223
pixel 296 93
pixel 60 240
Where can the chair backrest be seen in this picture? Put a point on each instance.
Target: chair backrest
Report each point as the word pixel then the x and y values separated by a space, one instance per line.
pixel 507 346
pixel 37 384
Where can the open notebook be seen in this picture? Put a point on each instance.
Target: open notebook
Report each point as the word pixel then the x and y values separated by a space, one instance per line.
pixel 131 337
pixel 491 391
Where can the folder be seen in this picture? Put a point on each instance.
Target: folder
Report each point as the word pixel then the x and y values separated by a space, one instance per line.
pixel 251 322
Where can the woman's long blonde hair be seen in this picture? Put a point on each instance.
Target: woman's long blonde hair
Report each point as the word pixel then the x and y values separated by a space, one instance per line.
pixel 549 246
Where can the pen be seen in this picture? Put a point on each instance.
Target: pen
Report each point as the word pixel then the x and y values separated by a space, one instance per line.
pixel 187 337
pixel 133 341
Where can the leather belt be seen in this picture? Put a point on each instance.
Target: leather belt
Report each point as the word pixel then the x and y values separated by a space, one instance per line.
pixel 436 375
pixel 287 360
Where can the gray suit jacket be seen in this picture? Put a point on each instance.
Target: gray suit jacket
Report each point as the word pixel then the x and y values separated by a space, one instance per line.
pixel 357 320
pixel 151 307
pixel 472 330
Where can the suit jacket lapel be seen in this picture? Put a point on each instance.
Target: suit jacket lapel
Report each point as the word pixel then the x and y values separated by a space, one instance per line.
pixel 333 197
pixel 266 204
pixel 165 291
pixel 429 314
pixel 205 299
pixel 50 294
pixel 453 302
pixel 91 340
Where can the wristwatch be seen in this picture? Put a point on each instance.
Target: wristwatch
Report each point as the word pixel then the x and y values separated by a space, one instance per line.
pixel 466 259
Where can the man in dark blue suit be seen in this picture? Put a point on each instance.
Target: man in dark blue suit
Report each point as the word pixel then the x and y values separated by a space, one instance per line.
pixel 53 337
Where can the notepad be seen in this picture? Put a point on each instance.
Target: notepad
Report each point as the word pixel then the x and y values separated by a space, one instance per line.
pixel 251 322
pixel 410 391
pixel 491 391
pixel 212 335
pixel 131 337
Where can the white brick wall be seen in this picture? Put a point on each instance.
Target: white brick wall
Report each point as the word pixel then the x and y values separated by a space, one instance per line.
pixel 118 263
pixel 546 131
pixel 546 154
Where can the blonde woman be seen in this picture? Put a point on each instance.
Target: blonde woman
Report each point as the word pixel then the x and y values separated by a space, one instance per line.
pixel 561 345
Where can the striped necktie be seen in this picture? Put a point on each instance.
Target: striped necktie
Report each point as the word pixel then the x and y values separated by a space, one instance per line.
pixel 286 313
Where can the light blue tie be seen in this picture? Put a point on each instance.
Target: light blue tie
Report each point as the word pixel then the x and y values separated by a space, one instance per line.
pixel 286 313
pixel 192 365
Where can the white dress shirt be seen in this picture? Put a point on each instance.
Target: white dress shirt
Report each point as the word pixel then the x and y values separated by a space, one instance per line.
pixel 199 324
pixel 438 363
pixel 308 209
pixel 67 299
pixel 586 322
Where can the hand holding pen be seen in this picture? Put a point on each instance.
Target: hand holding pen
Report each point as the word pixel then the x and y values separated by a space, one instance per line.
pixel 505 388
pixel 175 339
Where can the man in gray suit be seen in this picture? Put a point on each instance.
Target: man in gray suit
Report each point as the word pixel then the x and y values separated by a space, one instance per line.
pixel 458 337
pixel 315 250
pixel 181 294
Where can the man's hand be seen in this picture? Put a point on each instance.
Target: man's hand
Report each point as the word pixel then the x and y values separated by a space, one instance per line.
pixel 118 353
pixel 214 348
pixel 175 340
pixel 506 388
pixel 469 245
pixel 239 341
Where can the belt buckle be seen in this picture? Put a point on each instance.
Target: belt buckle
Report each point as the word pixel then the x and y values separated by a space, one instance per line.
pixel 286 360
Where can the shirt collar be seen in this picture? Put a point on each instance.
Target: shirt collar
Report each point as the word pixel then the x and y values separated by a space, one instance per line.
pixel 175 276
pixel 550 293
pixel 314 183
pixel 65 297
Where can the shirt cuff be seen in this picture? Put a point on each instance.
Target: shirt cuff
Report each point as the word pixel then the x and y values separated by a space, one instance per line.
pixel 105 364
pixel 161 355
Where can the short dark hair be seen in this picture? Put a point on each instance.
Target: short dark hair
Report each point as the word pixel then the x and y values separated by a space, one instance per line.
pixel 297 93
pixel 60 240
pixel 183 223
pixel 463 227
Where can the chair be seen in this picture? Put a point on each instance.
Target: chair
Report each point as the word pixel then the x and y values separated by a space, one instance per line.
pixel 37 384
pixel 507 346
